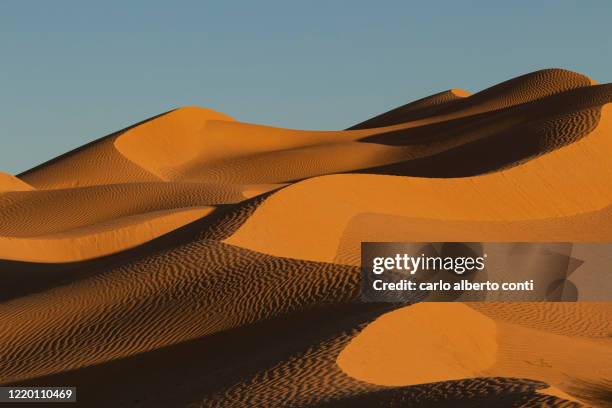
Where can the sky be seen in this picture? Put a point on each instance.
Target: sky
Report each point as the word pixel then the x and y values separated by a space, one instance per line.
pixel 74 71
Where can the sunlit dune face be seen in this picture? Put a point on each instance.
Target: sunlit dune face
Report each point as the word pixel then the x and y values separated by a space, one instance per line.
pixel 424 343
pixel 525 201
pixel 169 141
pixel 434 342
pixel 460 93
pixel 235 247
pixel 11 183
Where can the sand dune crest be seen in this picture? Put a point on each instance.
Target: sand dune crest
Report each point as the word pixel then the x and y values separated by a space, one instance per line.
pixel 224 255
pixel 12 183
pixel 442 350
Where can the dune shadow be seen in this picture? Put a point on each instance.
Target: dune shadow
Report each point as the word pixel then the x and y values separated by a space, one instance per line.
pixel 499 392
pixel 187 372
pixel 23 278
pixel 87 145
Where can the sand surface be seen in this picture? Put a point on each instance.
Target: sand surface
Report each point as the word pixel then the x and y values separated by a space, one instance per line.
pixel 11 183
pixel 196 260
pixel 492 347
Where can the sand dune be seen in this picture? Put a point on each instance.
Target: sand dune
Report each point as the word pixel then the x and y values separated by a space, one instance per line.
pixel 171 141
pixel 99 239
pixel 545 191
pixel 422 108
pixel 37 226
pixel 42 212
pixel 87 166
pixel 489 349
pixel 243 153
pixel 11 183
pixel 196 260
pixel 199 282
pixel 455 103
pixel 589 319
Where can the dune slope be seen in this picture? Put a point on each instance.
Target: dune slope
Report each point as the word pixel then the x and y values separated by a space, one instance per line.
pixel 11 183
pixel 545 192
pixel 489 349
pixel 196 260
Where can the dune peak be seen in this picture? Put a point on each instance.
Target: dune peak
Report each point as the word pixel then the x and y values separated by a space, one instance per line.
pixel 193 234
pixel 9 182
pixel 460 92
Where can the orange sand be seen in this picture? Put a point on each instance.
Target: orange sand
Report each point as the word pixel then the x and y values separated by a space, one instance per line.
pixel 546 189
pixel 101 239
pixel 222 254
pixel 10 183
pixel 429 343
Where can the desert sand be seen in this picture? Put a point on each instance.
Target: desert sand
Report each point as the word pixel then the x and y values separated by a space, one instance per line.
pixel 196 260
pixel 11 183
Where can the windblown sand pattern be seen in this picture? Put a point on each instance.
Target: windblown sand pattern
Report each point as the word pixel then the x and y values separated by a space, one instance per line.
pixel 195 260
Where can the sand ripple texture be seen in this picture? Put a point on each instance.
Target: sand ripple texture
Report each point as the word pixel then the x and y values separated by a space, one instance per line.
pixel 193 260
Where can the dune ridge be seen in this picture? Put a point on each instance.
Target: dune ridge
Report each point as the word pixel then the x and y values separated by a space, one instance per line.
pixel 36 226
pixel 100 239
pixel 542 189
pixel 490 349
pixel 196 260
pixel 242 153
pixel 11 183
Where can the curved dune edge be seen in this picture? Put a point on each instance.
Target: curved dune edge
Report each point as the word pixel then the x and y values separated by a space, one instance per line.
pixel 555 392
pixel 254 190
pixel 525 88
pixel 421 344
pixel 47 230
pixel 189 296
pixel 588 319
pixel 460 92
pixel 546 188
pixel 188 291
pixel 33 213
pixel 99 239
pixel 88 166
pixel 431 342
pixel 12 183
pixel 215 149
pixel 522 89
pixel 169 141
pixel 419 109
pixel 198 144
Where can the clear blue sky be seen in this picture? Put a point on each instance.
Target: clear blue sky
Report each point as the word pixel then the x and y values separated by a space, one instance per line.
pixel 73 71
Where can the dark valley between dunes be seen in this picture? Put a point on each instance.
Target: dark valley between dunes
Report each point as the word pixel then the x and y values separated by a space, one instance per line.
pixel 193 260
